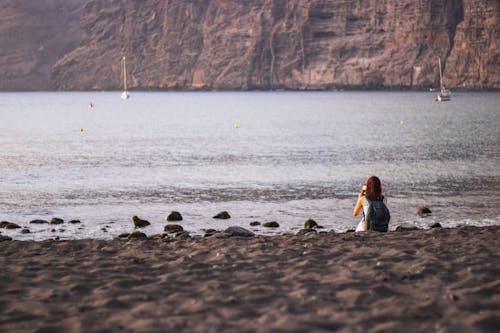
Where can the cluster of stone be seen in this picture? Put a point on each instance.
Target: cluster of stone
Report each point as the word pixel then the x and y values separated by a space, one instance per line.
pixel 175 230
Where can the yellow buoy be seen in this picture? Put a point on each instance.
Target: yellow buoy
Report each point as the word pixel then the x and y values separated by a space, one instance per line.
pixel 81 129
pixel 236 126
pixel 401 122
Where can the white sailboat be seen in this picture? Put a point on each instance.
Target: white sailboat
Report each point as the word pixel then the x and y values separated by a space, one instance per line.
pixel 125 93
pixel 444 94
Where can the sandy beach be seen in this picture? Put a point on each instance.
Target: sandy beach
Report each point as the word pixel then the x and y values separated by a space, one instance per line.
pixel 438 280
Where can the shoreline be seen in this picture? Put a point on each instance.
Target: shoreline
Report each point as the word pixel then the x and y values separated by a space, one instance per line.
pixel 276 90
pixel 439 280
pixel 57 229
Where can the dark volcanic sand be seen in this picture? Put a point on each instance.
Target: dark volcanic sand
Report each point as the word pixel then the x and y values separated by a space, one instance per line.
pixel 440 280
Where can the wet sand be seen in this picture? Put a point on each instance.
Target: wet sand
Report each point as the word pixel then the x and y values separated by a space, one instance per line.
pixel 439 280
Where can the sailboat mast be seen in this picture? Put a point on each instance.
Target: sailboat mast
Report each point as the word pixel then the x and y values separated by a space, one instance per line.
pixel 440 75
pixel 124 75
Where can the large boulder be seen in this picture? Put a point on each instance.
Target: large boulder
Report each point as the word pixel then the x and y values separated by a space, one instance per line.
pixel 222 215
pixel 174 216
pixel 238 231
pixel 9 225
pixel 140 223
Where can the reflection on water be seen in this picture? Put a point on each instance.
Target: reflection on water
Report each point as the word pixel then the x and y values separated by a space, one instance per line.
pixel 292 156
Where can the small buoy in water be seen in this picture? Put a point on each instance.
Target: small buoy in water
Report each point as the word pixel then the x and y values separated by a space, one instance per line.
pixel 91 105
pixel 401 122
pixel 81 129
pixel 236 126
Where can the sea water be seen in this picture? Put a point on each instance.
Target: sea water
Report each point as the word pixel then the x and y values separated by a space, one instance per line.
pixel 261 156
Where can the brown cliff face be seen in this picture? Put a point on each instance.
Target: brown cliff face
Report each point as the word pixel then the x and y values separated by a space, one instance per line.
pixel 33 36
pixel 474 61
pixel 283 44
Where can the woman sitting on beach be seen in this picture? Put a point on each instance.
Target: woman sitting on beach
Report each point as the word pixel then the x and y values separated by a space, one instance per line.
pixel 375 214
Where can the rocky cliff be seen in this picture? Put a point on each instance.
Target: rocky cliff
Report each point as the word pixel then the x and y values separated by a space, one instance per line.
pixel 281 44
pixel 474 60
pixel 33 36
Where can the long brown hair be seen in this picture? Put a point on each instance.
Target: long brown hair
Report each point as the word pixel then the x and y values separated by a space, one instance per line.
pixel 373 188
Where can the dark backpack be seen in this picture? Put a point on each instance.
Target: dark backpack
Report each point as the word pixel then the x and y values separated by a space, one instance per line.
pixel 378 216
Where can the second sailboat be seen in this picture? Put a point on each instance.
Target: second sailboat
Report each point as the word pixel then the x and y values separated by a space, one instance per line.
pixel 125 93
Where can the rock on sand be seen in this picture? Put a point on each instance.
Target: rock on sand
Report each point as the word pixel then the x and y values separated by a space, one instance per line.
pixel 174 216
pixel 222 215
pixel 140 223
pixel 238 231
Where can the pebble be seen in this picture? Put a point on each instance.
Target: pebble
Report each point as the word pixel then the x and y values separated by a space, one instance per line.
pixel 452 296
pixel 423 211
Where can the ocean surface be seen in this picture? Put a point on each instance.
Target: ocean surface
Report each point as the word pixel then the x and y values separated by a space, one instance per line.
pixel 261 156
